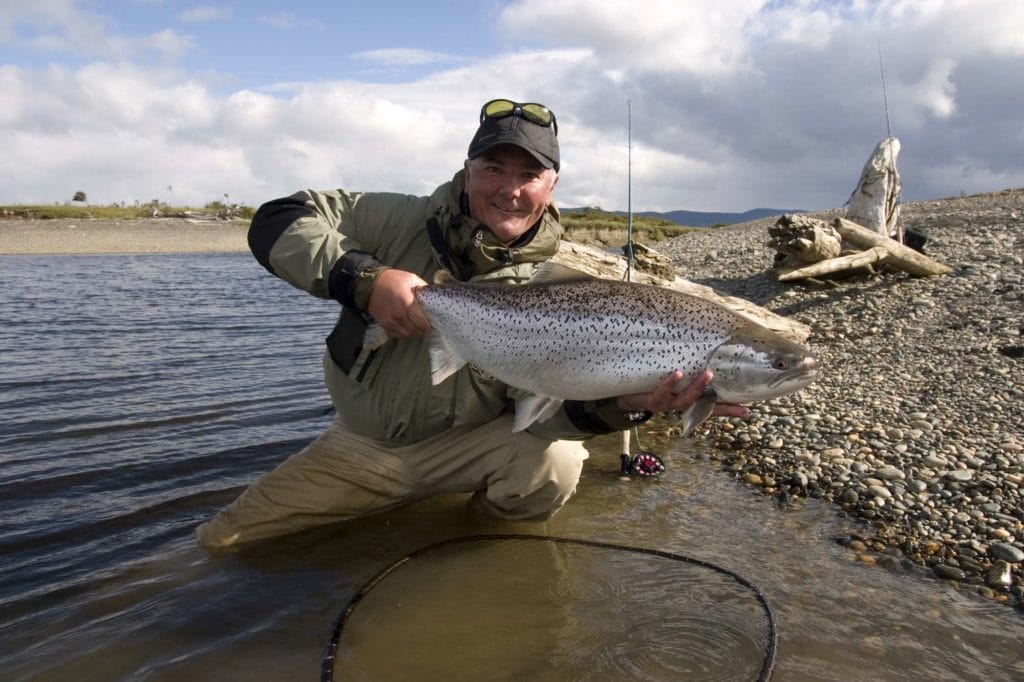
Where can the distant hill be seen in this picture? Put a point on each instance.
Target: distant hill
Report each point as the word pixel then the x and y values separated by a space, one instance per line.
pixel 702 218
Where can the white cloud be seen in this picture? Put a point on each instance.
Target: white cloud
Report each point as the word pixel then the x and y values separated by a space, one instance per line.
pixel 202 14
pixel 800 23
pixel 397 56
pixel 936 92
pixel 60 26
pixel 703 37
pixel 734 105
pixel 281 20
pixel 284 20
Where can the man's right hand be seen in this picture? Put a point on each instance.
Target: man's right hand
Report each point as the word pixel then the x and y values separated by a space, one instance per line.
pixel 393 304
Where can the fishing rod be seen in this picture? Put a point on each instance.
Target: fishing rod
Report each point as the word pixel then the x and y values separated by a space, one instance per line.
pixel 629 190
pixel 885 95
pixel 644 463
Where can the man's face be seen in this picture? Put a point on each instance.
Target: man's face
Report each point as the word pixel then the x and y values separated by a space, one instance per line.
pixel 508 190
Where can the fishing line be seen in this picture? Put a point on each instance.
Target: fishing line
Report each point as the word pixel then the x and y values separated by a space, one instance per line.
pixel 885 96
pixel 888 129
pixel 327 667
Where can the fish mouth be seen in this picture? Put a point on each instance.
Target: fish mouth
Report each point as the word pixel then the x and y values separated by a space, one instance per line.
pixel 803 374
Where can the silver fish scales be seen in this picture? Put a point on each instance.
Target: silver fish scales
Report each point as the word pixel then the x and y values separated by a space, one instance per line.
pixel 561 337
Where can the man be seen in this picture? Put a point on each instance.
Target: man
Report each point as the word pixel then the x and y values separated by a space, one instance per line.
pixel 398 438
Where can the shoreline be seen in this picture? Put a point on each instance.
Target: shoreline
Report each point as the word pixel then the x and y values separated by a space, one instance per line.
pixel 914 427
pixel 57 237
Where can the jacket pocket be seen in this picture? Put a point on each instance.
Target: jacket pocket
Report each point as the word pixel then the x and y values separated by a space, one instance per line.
pixel 345 346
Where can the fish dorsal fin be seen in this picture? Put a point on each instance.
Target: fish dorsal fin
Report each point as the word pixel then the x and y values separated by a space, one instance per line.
pixel 444 361
pixel 535 408
pixel 548 272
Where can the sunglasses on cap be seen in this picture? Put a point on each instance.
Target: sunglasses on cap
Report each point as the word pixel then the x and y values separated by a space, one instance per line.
pixel 531 111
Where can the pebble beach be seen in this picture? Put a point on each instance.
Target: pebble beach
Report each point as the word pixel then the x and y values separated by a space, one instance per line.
pixel 915 425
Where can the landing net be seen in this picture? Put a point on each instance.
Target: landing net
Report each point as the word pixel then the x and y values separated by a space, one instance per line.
pixel 531 607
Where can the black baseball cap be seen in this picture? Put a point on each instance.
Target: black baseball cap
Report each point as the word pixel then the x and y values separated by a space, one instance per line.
pixel 507 122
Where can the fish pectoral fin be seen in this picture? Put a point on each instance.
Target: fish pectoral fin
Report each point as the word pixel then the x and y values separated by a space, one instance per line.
pixel 699 411
pixel 536 408
pixel 548 272
pixel 375 336
pixel 444 361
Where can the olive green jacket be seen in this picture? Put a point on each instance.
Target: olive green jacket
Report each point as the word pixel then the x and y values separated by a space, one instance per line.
pixel 333 244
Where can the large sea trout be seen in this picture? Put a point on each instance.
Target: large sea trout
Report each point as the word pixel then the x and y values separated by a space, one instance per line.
pixel 564 336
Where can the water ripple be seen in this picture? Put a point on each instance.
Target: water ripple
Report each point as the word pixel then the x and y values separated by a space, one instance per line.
pixel 138 393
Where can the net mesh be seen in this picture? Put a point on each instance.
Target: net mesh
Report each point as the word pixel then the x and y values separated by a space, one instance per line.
pixel 514 607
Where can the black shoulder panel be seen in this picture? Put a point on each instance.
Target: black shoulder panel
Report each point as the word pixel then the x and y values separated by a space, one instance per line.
pixel 273 218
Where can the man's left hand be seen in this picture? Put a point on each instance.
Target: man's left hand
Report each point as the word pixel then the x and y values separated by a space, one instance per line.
pixel 663 399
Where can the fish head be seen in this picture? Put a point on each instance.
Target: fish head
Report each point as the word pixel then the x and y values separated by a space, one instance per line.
pixel 756 364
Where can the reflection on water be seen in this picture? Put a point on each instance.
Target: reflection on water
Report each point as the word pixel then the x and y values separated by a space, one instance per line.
pixel 138 395
pixel 525 608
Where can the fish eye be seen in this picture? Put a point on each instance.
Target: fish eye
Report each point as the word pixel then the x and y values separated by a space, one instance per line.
pixel 780 363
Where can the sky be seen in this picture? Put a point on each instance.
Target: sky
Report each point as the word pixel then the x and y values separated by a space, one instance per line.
pixel 704 105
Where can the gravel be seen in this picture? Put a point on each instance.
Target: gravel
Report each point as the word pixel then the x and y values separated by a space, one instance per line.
pixel 915 425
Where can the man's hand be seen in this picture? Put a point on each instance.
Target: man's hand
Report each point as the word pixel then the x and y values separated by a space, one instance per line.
pixel 662 399
pixel 393 304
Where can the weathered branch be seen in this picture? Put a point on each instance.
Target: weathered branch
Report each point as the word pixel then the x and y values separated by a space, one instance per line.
pixel 903 257
pixel 850 261
pixel 600 263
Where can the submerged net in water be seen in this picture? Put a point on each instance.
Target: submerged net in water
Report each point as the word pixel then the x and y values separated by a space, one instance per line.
pixel 525 607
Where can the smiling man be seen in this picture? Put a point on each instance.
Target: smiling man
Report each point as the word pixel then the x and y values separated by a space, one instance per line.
pixel 397 437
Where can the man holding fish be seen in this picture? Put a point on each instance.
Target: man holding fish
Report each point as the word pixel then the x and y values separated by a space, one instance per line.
pixel 487 384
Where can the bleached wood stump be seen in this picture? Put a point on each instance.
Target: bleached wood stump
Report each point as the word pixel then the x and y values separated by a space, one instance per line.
pixel 875 202
pixel 800 239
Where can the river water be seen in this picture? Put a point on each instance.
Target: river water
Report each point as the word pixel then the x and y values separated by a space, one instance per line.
pixel 139 394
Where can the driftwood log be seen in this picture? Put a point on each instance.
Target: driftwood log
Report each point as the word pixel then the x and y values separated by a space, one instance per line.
pixel 874 204
pixel 599 263
pixel 800 239
pixel 877 248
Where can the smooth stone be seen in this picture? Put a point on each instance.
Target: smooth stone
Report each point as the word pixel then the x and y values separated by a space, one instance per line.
pixel 890 473
pixel 879 491
pixel 948 572
pixel 1006 552
pixel 915 486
